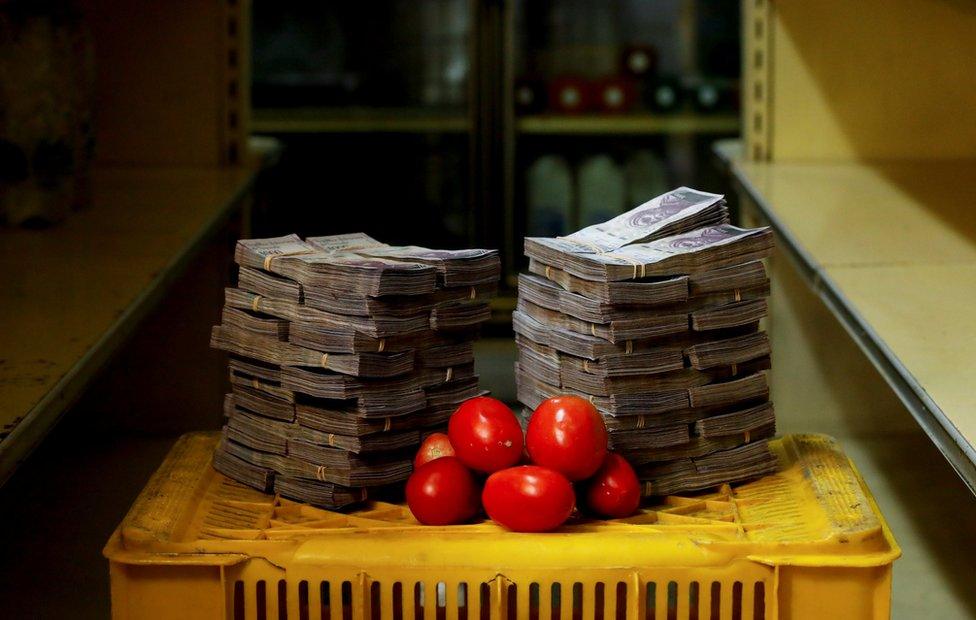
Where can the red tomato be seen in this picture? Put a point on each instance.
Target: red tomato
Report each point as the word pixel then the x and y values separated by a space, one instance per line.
pixel 485 434
pixel 528 498
pixel 569 435
pixel 442 492
pixel 434 447
pixel 614 491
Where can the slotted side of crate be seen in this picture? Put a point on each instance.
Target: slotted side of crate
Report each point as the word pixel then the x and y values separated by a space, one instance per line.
pixel 742 590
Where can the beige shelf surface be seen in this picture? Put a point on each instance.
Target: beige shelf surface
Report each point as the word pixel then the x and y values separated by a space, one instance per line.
pixel 908 212
pixel 891 248
pixel 638 124
pixel 924 314
pixel 70 294
pixel 357 120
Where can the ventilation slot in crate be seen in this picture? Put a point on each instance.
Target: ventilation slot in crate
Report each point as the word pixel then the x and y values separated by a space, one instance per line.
pixel 397 600
pixel 704 601
pixel 664 600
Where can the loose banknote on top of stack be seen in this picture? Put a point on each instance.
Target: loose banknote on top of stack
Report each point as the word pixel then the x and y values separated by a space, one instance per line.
pixel 344 354
pixel 653 316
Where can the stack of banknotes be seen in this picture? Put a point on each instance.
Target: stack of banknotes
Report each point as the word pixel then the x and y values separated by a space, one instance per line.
pixel 653 316
pixel 344 354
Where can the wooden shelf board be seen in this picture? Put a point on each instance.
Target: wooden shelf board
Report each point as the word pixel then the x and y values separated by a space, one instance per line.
pixel 891 250
pixel 357 120
pixel 70 295
pixel 637 124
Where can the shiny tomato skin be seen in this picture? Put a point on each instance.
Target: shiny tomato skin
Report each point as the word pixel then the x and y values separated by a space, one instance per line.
pixel 442 492
pixel 436 445
pixel 485 434
pixel 528 498
pixel 569 435
pixel 614 490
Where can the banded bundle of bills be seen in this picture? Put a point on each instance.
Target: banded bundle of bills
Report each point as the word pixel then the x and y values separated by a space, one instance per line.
pixel 654 317
pixel 455 268
pixel 344 354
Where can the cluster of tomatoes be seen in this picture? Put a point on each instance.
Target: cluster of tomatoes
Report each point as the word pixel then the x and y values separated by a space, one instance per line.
pixel 565 443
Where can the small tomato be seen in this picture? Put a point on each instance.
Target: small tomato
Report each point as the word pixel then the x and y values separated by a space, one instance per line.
pixel 442 492
pixel 434 447
pixel 568 434
pixel 528 498
pixel 485 434
pixel 614 490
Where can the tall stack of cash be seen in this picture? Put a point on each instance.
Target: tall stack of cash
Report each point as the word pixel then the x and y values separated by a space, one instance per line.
pixel 653 316
pixel 344 354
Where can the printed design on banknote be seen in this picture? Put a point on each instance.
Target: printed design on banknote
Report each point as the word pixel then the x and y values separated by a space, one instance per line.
pixel 703 237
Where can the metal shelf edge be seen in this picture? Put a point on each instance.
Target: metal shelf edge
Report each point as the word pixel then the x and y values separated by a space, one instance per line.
pixel 643 124
pixel 273 121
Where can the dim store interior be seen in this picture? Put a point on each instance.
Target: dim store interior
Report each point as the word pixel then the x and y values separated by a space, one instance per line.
pixel 140 141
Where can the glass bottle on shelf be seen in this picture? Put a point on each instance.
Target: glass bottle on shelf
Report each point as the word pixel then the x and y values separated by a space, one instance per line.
pixel 549 196
pixel 646 176
pixel 602 189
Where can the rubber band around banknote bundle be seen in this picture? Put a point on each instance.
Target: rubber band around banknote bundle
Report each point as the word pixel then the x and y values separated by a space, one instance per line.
pixel 387 424
pixel 272 257
pixel 474 293
pixel 381 346
pixel 320 473
pixel 629 346
pixel 640 422
pixel 448 374
pixel 639 267
pixel 549 272
pixel 256 384
pixel 593 328
pixel 737 295
pixel 331 440
pixel 255 303
pixel 748 436
pixel 586 366
pixel 735 369
pixel 325 360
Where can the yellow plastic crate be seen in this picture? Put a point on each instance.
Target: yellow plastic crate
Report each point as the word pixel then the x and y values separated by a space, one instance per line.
pixel 807 542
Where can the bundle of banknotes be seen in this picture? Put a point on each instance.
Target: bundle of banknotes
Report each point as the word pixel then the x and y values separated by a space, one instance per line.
pixel 344 354
pixel 653 316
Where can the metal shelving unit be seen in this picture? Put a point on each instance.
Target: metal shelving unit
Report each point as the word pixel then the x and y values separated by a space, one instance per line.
pixel 496 137
pixel 917 343
pixel 866 200
pixel 528 135
pixel 173 171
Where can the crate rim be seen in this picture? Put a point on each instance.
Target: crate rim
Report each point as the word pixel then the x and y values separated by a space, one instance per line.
pixel 153 531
